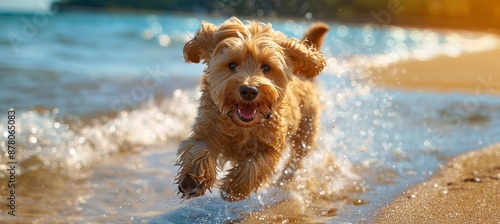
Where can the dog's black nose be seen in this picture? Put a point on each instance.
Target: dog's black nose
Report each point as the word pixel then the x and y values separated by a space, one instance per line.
pixel 249 92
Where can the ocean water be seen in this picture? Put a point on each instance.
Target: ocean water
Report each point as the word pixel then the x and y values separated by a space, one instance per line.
pixel 103 99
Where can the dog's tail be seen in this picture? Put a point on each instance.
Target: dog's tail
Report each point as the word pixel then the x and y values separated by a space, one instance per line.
pixel 315 35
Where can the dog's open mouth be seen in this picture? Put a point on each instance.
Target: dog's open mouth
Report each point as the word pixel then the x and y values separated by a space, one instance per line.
pixel 246 112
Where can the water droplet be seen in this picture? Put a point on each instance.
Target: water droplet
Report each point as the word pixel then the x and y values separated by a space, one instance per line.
pixel 164 40
pixel 308 15
pixel 427 143
pixel 81 140
pixel 369 40
pixel 342 31
pixel 33 140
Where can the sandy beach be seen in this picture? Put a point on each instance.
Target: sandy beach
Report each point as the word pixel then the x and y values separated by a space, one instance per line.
pixel 467 189
pixel 476 73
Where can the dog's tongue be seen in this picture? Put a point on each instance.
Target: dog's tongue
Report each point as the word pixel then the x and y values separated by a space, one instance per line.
pixel 247 110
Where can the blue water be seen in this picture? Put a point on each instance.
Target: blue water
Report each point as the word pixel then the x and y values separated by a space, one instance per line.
pixel 104 98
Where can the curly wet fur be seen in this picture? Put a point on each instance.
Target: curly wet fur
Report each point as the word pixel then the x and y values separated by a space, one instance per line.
pixel 287 107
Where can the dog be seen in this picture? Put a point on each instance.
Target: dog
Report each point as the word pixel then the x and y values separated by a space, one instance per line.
pixel 257 97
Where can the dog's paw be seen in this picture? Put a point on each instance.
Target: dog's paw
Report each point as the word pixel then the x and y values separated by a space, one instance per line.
pixel 191 187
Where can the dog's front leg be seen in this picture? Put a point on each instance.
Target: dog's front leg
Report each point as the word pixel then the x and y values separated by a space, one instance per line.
pixel 249 174
pixel 197 171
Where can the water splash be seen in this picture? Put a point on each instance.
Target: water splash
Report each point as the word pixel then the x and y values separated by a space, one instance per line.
pixel 71 143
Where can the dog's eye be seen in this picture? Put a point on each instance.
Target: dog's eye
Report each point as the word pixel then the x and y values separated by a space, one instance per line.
pixel 265 68
pixel 233 66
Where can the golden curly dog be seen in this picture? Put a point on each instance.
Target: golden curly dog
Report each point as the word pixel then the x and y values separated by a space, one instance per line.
pixel 257 97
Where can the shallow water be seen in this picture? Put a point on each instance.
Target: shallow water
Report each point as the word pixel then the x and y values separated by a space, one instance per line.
pixel 102 100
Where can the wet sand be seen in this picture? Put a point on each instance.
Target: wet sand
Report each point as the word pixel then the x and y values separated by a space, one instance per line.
pixel 467 189
pixel 475 73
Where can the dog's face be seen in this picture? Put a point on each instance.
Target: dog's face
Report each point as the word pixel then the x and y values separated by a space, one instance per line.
pixel 249 67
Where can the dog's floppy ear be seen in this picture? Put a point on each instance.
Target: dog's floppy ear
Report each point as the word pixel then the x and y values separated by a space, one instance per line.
pixel 200 46
pixel 305 60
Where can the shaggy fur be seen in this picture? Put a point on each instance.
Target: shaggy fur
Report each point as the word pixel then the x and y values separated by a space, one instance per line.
pixel 257 97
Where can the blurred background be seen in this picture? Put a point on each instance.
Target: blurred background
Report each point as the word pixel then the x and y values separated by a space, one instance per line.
pixel 468 14
pixel 103 96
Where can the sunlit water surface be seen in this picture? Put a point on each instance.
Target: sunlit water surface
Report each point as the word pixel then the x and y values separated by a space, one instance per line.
pixel 102 100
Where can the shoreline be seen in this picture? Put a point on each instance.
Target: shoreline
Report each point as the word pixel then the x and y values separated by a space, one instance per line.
pixel 465 190
pixel 474 73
